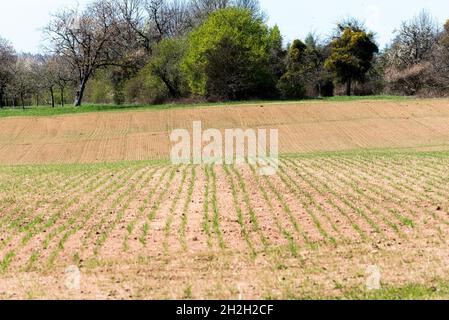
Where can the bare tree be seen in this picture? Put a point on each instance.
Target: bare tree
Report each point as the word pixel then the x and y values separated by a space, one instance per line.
pixel 38 77
pixel 7 60
pixel 251 5
pixel 63 75
pixel 22 85
pixel 155 20
pixel 415 40
pixel 134 15
pixel 201 9
pixel 440 61
pixel 53 74
pixel 86 40
pixel 409 58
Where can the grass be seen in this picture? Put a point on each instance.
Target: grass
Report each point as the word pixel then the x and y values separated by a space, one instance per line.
pixel 206 207
pixel 216 216
pixel 45 111
pixel 154 209
pixel 247 201
pixel 238 209
pixel 185 211
pixel 286 234
pixel 288 211
pixel 172 212
pixel 412 291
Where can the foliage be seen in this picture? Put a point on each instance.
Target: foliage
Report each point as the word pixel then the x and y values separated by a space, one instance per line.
pixel 352 53
pixel 244 43
pixel 292 83
pixel 305 73
pixel 165 65
pixel 154 51
pixel 146 88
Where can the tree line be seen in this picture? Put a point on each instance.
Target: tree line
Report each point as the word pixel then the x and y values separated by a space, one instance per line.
pixel 153 51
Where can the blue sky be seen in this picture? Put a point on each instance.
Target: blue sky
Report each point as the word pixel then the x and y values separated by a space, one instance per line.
pixel 22 20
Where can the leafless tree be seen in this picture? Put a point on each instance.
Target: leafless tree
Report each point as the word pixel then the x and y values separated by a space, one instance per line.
pixel 134 15
pixel 23 83
pixel 154 20
pixel 63 75
pixel 415 40
pixel 440 61
pixel 409 58
pixel 87 40
pixel 252 5
pixel 51 73
pixel 7 60
pixel 201 9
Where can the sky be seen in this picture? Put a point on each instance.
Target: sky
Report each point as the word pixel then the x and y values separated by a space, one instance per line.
pixel 21 21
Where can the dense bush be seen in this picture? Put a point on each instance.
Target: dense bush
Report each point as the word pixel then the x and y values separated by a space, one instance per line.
pixel 228 56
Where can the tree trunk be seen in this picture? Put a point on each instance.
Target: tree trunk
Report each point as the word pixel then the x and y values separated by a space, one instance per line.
pixel 62 97
pixel 174 93
pixel 348 87
pixel 52 95
pixel 80 93
pixel 22 100
pixel 1 99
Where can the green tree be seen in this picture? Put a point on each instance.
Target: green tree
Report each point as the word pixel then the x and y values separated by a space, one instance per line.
pixel 319 80
pixel 236 46
pixel 352 53
pixel 292 83
pixel 305 74
pixel 277 55
pixel 165 64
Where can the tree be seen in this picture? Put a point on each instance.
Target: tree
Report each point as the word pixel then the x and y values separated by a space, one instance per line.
pixel 234 43
pixel 292 83
pixel 409 60
pixel 132 12
pixel 200 10
pixel 305 74
pixel 7 60
pixel 277 57
pixel 53 75
pixel 154 20
pixel 251 5
pixel 352 53
pixel 87 40
pixel 40 80
pixel 62 74
pixel 228 71
pixel 22 85
pixel 415 41
pixel 444 40
pixel 438 69
pixel 166 65
pixel 319 81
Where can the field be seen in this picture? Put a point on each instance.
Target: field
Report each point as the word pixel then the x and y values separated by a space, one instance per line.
pixel 304 128
pixel 360 183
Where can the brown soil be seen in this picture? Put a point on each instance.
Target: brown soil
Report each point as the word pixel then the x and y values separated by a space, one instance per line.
pixel 304 127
